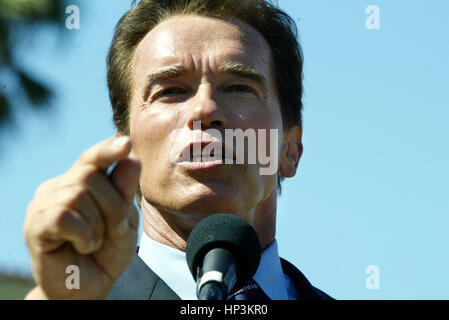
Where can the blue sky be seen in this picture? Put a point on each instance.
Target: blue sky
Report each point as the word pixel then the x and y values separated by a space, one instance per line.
pixel 372 186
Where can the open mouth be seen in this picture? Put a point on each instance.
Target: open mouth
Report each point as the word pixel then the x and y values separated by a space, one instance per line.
pixel 208 152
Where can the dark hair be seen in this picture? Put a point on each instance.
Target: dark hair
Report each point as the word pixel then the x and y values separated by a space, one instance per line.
pixel 277 27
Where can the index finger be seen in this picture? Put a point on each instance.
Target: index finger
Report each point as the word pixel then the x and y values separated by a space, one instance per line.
pixel 105 153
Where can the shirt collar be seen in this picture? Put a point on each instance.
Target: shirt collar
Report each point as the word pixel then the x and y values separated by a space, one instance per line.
pixel 269 276
pixel 171 266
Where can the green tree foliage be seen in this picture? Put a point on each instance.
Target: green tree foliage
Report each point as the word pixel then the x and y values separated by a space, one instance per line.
pixel 23 16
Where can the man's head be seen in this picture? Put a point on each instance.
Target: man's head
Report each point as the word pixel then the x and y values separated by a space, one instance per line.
pixel 228 64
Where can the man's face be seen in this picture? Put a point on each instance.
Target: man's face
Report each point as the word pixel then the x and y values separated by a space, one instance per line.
pixel 186 70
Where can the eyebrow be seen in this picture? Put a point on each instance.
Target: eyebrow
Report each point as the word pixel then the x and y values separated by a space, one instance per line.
pixel 233 68
pixel 162 75
pixel 243 71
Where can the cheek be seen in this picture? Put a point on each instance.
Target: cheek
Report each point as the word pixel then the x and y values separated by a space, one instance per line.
pixel 149 136
pixel 149 133
pixel 277 134
pixel 269 132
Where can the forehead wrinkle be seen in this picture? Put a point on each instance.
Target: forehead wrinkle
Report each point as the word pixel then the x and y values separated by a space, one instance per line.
pixel 246 39
pixel 228 67
pixel 170 33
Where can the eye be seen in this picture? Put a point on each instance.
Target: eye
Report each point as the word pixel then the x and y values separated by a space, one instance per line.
pixel 240 88
pixel 169 92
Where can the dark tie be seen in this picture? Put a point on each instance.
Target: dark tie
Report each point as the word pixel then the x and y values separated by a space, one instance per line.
pixel 251 291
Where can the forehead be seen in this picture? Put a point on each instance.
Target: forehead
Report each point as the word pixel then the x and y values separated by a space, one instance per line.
pixel 199 42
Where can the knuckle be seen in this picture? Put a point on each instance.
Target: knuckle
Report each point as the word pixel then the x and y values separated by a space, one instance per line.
pixel 88 173
pixel 41 197
pixel 31 224
pixel 82 158
pixel 43 187
pixel 64 217
pixel 77 194
pixel 38 249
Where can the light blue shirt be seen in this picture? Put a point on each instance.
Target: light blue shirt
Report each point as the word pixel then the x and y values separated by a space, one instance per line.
pixel 171 266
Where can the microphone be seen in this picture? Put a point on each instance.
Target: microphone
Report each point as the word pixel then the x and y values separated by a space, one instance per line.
pixel 223 251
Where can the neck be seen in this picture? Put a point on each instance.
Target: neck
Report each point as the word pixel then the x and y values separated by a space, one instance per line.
pixel 264 220
pixel 165 227
pixel 157 227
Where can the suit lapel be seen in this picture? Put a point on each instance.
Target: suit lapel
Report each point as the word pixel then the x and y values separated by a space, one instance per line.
pixel 304 288
pixel 139 282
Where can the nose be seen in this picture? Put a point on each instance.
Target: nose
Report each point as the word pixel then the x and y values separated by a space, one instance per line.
pixel 206 109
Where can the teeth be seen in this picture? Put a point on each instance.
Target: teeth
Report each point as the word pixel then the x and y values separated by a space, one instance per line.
pixel 204 158
pixel 212 156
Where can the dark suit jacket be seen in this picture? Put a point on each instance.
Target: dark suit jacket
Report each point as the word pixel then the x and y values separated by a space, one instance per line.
pixel 139 282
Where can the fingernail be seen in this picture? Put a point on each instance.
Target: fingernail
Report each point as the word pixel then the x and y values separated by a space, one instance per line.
pixel 121 141
pixel 123 227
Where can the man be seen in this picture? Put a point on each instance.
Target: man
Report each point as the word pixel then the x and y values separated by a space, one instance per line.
pixel 225 65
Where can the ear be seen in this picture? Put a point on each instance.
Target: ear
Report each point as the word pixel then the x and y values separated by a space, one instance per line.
pixel 291 151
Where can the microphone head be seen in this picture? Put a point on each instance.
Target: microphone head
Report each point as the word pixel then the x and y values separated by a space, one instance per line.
pixel 229 232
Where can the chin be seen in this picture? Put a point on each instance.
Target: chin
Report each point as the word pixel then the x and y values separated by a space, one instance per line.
pixel 210 198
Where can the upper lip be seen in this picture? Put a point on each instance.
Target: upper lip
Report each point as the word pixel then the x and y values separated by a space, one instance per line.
pixel 225 148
